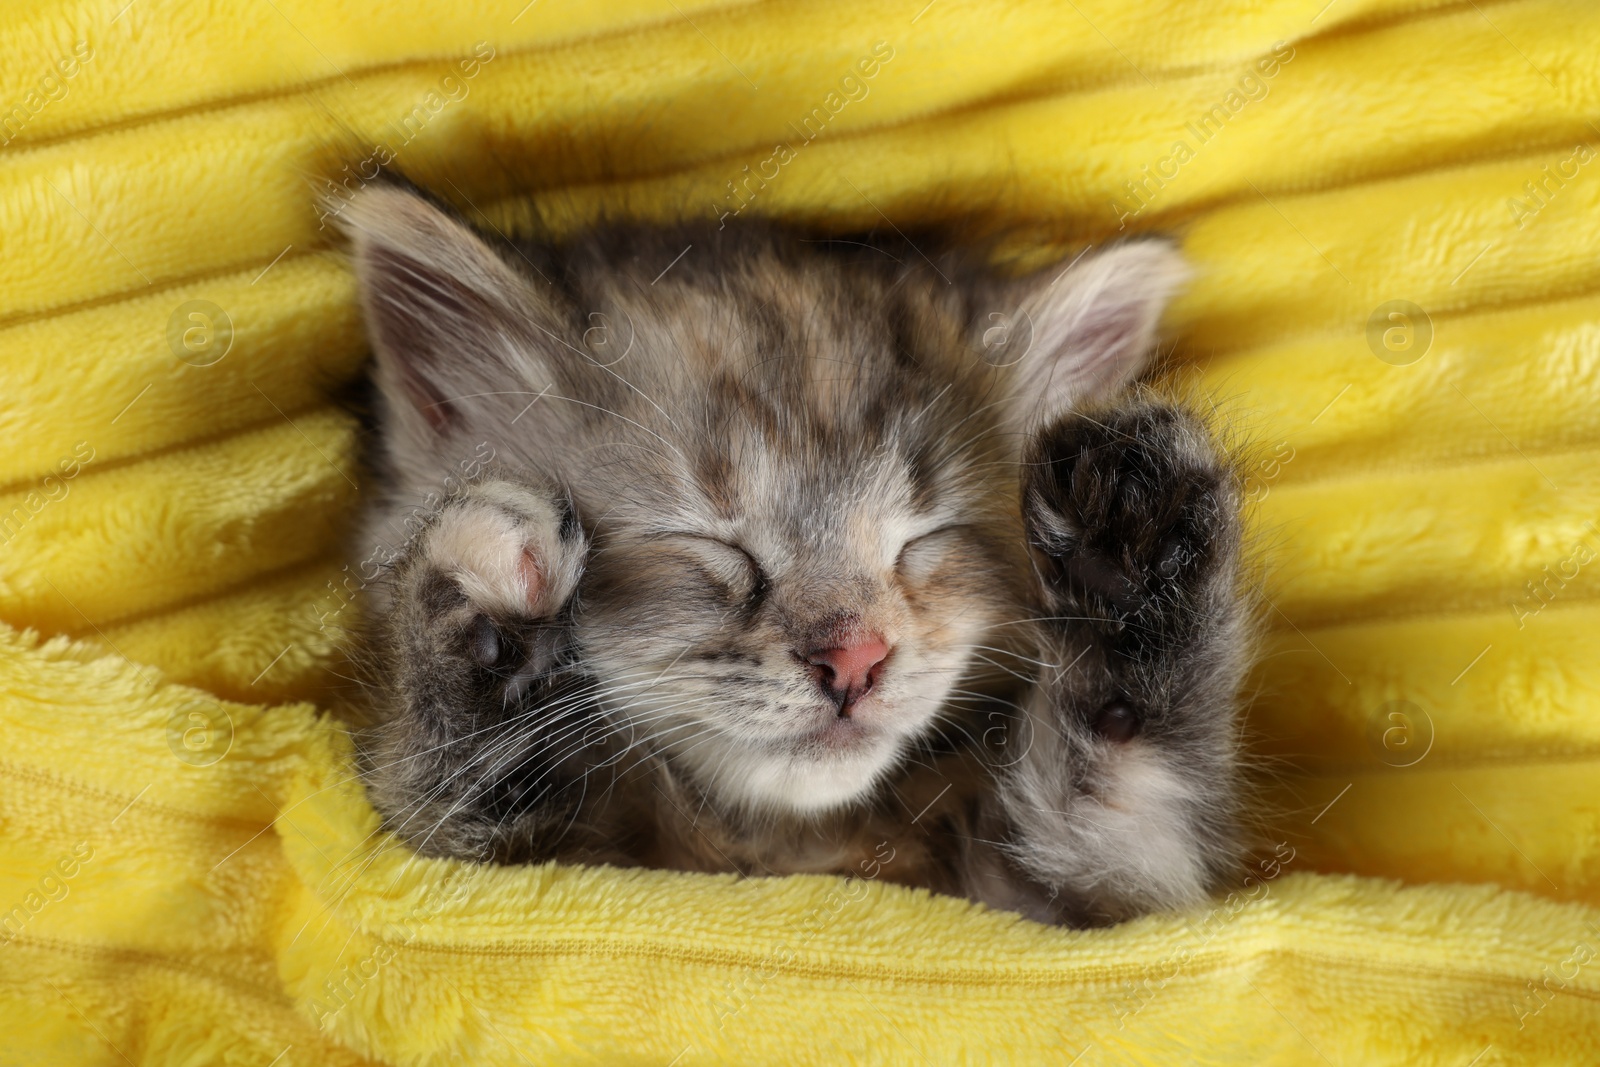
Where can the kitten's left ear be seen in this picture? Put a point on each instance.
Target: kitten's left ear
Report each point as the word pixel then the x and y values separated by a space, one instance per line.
pixel 451 321
pixel 1091 326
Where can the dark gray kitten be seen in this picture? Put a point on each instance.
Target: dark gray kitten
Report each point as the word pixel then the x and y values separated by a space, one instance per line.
pixel 730 549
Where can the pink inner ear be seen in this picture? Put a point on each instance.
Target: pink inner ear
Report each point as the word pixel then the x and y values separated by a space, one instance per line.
pixel 1095 325
pixel 431 407
pixel 532 576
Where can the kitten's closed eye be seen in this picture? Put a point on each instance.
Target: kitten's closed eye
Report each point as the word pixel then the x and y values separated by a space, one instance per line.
pixel 732 570
pixel 925 552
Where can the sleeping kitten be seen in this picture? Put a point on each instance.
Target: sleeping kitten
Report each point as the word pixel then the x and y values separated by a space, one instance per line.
pixel 746 584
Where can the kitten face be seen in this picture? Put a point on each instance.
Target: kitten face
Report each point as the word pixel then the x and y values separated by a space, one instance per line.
pixel 806 583
pixel 796 469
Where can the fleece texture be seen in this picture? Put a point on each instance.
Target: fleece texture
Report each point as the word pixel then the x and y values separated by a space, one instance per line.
pixel 1393 207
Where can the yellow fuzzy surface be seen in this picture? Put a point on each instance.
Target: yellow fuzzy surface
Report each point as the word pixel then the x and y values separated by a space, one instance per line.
pixel 189 874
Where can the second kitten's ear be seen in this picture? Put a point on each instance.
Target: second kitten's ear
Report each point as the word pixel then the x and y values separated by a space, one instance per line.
pixel 446 314
pixel 1092 326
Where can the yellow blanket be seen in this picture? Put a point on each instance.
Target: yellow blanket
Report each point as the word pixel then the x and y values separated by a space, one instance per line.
pixel 1394 206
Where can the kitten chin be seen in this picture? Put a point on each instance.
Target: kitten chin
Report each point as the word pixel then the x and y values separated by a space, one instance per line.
pixel 824 771
pixel 779 583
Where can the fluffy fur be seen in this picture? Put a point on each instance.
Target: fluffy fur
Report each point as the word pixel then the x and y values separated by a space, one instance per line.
pixel 744 583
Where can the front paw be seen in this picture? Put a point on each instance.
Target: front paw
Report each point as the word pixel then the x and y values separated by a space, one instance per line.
pixel 1124 796
pixel 514 550
pixel 1132 516
pixel 478 597
pixel 482 744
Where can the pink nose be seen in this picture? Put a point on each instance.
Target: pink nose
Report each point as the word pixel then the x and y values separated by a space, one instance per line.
pixel 849 672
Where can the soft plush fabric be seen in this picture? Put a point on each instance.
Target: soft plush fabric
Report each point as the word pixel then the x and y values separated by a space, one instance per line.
pixel 188 872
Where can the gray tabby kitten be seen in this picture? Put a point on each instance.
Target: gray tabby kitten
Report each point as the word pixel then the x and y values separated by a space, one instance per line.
pixel 725 549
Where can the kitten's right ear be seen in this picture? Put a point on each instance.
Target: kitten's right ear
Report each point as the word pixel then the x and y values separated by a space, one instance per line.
pixel 447 315
pixel 1091 327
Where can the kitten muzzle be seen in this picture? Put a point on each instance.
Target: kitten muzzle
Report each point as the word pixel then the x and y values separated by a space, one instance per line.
pixel 847 672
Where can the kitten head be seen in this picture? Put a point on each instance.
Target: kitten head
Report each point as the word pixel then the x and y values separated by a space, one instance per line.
pixel 795 460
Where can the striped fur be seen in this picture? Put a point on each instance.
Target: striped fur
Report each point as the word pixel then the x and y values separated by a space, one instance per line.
pixel 704 453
